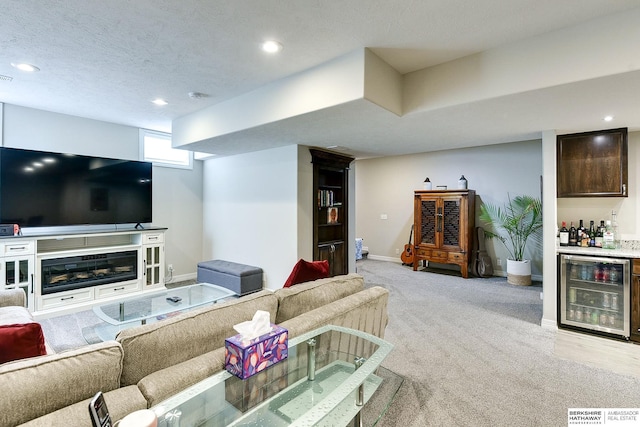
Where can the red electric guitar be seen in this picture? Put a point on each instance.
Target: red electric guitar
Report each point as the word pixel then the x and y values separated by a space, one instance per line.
pixel 407 254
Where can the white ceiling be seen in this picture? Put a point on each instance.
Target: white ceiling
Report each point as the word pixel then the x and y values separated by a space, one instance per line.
pixel 107 60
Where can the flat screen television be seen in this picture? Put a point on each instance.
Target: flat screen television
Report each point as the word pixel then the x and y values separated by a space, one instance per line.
pixel 42 189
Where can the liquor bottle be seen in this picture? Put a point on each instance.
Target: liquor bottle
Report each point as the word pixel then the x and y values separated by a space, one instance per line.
pixel 564 235
pixel 592 234
pixel 584 241
pixel 573 235
pixel 581 229
pixel 616 233
pixel 608 241
pixel 599 232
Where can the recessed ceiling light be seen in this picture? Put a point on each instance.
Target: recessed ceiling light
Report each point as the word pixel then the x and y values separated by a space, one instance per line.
pixel 159 101
pixel 25 67
pixel 272 46
pixel 608 118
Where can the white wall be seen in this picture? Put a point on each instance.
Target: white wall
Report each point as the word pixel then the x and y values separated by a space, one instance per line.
pixel 177 193
pixel 251 211
pixel 385 186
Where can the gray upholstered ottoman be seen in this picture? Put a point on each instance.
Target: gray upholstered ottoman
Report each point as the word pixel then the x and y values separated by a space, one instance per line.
pixel 239 278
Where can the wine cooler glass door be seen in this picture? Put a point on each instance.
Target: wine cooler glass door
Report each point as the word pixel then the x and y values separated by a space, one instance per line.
pixel 594 293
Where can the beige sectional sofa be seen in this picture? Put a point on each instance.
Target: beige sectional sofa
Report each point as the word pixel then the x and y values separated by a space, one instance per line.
pixel 148 363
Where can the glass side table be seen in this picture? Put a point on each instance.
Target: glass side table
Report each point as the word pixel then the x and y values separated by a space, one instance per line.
pixel 329 376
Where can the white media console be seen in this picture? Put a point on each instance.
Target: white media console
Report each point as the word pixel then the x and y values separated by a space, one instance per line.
pixel 64 273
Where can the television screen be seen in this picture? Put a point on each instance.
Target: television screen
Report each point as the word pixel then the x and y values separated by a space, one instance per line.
pixel 41 189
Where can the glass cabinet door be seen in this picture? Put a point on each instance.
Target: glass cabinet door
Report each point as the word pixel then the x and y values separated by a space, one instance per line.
pixel 594 293
pixel 153 265
pixel 17 274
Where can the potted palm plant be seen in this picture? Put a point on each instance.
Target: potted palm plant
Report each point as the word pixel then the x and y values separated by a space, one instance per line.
pixel 514 224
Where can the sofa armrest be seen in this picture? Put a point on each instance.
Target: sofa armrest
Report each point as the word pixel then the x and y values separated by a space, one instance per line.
pixel 10 297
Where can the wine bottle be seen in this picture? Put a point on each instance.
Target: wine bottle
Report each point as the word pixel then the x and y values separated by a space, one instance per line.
pixel 573 235
pixel 564 234
pixel 580 228
pixel 592 234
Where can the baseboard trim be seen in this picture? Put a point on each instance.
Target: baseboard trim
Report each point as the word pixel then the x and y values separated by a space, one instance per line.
pixel 549 324
pixel 384 258
pixel 496 273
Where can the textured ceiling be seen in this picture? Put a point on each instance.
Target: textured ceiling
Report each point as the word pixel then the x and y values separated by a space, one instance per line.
pixel 107 59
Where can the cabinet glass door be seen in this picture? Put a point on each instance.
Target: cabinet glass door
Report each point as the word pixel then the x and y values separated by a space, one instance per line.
pixel 17 275
pixel 595 293
pixel 152 265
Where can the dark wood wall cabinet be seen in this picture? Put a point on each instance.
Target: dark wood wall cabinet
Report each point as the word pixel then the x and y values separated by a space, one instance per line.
pixel 331 213
pixel 592 164
pixel 635 302
pixel 443 227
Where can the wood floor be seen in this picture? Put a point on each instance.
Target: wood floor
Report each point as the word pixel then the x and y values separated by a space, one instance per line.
pixel 616 356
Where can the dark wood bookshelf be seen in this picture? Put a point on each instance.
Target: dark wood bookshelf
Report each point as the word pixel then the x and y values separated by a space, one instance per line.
pixel 331 191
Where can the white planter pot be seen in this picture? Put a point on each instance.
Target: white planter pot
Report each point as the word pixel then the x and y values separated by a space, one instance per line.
pixel 519 272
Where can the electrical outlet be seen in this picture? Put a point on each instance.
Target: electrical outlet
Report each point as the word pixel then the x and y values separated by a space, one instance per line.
pixel 397 251
pixel 170 267
pixel 498 262
pixel 383 216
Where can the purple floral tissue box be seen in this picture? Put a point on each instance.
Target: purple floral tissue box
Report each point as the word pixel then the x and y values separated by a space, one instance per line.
pixel 244 358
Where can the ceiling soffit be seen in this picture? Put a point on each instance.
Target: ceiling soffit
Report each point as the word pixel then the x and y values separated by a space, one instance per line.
pixel 329 94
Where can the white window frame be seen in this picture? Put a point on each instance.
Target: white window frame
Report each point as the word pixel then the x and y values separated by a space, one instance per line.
pixel 164 157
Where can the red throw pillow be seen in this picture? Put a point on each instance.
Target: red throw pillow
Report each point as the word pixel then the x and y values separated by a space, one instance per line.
pixel 20 341
pixel 305 271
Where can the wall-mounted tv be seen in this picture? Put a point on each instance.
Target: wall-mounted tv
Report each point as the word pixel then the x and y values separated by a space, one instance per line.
pixel 42 189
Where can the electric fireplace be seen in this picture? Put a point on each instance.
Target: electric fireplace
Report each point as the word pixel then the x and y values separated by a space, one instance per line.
pixel 75 272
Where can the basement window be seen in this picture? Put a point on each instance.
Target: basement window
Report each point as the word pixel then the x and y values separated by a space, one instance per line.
pixel 156 147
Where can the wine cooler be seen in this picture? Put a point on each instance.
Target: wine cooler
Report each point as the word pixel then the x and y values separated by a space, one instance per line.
pixel 593 294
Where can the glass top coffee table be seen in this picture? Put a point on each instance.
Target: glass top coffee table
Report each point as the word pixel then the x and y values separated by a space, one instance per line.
pixel 156 306
pixel 328 377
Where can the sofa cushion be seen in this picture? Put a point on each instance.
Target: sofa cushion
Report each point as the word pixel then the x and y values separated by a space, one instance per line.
pixel 307 296
pixel 305 271
pixel 40 385
pixel 9 297
pixel 120 402
pixel 364 311
pixel 151 347
pixel 162 384
pixel 20 335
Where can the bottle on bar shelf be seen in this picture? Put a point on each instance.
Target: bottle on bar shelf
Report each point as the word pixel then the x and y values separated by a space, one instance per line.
pixel 599 232
pixel 564 234
pixel 592 234
pixel 573 235
pixel 608 239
